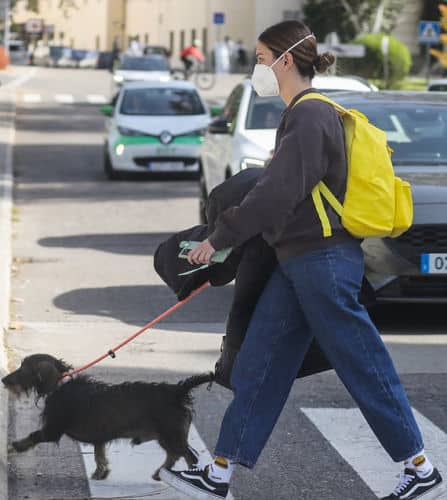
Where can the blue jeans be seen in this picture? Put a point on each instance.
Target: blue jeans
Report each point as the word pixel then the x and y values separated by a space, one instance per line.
pixel 315 294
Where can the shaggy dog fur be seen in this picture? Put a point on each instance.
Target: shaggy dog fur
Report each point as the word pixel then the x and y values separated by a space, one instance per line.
pixel 94 412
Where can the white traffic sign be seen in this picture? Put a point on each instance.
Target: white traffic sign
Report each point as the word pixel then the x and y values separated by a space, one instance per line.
pixel 429 31
pixel 343 49
pixel 34 26
pixel 385 45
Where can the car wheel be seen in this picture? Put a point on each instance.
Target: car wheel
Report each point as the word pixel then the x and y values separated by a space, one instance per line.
pixel 108 167
pixel 203 197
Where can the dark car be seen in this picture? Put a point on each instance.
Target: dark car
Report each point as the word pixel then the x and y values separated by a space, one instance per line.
pixel 412 267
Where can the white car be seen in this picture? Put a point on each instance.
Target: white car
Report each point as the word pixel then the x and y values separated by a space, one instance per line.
pixel 142 68
pixel 17 52
pixel 244 134
pixel 439 85
pixel 155 127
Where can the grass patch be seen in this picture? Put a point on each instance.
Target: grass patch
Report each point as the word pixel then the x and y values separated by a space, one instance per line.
pixel 407 84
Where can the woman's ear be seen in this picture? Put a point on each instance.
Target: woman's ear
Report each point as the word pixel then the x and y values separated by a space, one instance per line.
pixel 47 376
pixel 288 60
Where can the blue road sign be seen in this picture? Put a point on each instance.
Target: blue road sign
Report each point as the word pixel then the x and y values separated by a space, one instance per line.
pixel 219 17
pixel 429 31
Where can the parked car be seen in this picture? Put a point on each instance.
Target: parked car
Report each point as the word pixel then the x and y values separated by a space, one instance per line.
pixel 105 60
pixel 66 59
pixel 245 133
pixel 89 60
pixel 155 127
pixel 146 68
pixel 439 85
pixel 18 53
pixel 412 267
pixel 156 49
pixel 44 55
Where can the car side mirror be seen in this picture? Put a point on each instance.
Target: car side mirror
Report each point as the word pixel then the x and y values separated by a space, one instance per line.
pixel 107 109
pixel 219 126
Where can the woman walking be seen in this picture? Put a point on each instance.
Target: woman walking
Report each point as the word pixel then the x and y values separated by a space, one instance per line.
pixel 312 293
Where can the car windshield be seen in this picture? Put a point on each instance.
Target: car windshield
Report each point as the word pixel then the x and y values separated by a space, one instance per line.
pixel 417 133
pixel 264 112
pixel 438 87
pixel 161 102
pixel 144 64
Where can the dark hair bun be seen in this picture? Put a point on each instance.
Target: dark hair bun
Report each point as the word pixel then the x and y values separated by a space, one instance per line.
pixel 324 61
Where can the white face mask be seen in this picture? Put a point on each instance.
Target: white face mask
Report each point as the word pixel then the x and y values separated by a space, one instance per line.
pixel 264 80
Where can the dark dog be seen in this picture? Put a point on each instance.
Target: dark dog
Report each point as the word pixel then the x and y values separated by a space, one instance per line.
pixel 94 412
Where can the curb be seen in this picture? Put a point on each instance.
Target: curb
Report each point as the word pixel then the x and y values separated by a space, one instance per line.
pixel 7 132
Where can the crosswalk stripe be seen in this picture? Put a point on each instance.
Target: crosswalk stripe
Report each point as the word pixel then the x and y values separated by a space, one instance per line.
pixel 32 98
pixel 96 99
pixel 132 469
pixel 64 98
pixel 347 431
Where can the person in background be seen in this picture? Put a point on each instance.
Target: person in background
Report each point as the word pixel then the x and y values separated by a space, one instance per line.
pixel 312 293
pixel 241 55
pixel 192 54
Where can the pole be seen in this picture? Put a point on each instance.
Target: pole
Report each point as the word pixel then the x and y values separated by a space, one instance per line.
pixel 427 62
pixel 7 26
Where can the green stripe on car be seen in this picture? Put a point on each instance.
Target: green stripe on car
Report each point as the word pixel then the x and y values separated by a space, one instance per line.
pixel 130 140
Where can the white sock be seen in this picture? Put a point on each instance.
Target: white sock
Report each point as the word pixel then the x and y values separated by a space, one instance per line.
pixel 220 470
pixel 419 463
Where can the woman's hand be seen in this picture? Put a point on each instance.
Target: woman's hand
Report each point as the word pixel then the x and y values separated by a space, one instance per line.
pixel 202 254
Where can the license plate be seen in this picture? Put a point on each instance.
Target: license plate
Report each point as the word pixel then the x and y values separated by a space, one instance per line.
pixel 434 263
pixel 165 166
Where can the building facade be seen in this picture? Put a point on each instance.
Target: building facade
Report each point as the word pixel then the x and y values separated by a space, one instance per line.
pixel 96 24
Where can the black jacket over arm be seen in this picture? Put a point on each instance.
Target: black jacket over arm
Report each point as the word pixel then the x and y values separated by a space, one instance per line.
pixel 250 265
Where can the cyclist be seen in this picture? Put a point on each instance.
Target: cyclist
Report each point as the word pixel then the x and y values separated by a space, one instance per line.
pixel 192 54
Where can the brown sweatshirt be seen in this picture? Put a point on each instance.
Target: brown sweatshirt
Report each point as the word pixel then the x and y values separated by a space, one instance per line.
pixel 309 147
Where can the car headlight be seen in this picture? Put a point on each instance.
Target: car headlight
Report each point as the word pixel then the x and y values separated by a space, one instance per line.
pixel 131 132
pixel 118 78
pixel 252 163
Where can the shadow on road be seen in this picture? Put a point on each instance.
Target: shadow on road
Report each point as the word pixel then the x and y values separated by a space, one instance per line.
pixel 138 305
pixel 119 243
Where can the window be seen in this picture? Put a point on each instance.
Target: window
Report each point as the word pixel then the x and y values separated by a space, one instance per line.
pixel 232 107
pixel 417 133
pixel 193 35
pixel 152 63
pixel 97 42
pixel 146 38
pixel 264 112
pixel 182 40
pixel 161 102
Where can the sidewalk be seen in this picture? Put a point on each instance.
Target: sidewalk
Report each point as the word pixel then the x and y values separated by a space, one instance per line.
pixel 7 116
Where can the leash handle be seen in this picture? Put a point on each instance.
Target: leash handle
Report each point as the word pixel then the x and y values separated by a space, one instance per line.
pixel 111 352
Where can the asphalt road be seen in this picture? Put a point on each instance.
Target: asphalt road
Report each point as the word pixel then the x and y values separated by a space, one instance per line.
pixel 83 281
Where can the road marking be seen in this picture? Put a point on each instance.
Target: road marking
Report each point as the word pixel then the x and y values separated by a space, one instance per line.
pixel 64 98
pixel 347 431
pixel 32 98
pixel 21 79
pixel 132 468
pixel 96 99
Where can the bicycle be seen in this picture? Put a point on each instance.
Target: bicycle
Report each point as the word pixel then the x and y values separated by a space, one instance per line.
pixel 203 79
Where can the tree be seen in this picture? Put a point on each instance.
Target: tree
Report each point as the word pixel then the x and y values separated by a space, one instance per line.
pixel 30 4
pixel 350 18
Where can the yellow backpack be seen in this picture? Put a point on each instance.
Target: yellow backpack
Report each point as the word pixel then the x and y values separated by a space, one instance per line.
pixel 377 203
